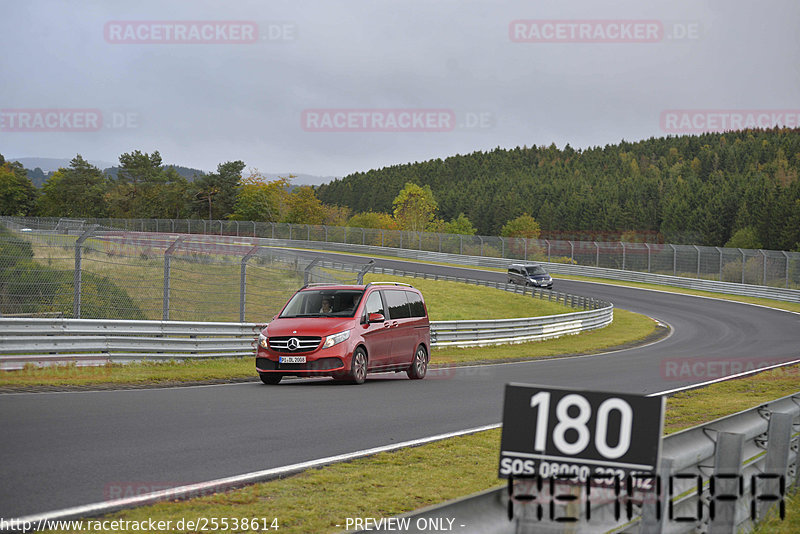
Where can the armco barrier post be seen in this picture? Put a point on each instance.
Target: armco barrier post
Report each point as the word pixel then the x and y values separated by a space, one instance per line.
pixel 726 482
pixel 76 279
pixel 654 510
pixel 243 283
pixel 776 463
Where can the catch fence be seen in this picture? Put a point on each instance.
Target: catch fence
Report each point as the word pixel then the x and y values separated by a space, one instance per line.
pixel 743 266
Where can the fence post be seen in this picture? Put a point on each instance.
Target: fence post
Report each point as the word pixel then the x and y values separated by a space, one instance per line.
pixel 698 259
pixel 743 262
pixel 243 283
pixel 548 249
pixel 726 483
pixel 461 246
pixel 502 248
pixel 597 254
pixel 76 279
pixel 525 248
pixel 674 260
pixel 776 463
pixel 572 251
pixel 787 268
pixel 307 271
pixel 623 254
pixel 719 250
pixel 648 256
pixel 167 257
pixel 479 237
pixel 764 254
pixel 364 270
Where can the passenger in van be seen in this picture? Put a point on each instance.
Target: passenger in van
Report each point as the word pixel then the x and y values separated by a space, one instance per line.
pixel 326 306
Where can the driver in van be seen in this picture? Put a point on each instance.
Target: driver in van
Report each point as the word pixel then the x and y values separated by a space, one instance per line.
pixel 326 305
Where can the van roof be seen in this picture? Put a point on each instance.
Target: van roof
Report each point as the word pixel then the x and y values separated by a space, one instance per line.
pixel 355 286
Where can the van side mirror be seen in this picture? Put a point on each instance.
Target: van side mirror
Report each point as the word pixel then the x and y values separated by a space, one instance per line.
pixel 376 318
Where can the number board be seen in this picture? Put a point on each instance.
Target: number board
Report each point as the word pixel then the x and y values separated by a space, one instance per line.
pixel 550 431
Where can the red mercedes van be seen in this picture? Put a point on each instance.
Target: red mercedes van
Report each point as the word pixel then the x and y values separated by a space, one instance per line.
pixel 346 331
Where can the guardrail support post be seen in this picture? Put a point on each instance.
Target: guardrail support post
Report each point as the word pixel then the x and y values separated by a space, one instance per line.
pixel 776 463
pixel 243 283
pixel 76 279
pixel 726 483
pixel 654 510
pixel 167 258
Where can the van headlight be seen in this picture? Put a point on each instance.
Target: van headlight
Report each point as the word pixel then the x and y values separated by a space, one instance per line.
pixel 263 341
pixel 335 339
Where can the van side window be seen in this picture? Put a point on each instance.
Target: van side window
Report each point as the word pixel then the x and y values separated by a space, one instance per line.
pixel 415 302
pixel 374 304
pixel 398 304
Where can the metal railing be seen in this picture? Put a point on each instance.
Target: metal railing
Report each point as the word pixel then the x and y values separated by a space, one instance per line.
pixel 42 341
pixel 95 341
pixel 738 466
pixel 744 266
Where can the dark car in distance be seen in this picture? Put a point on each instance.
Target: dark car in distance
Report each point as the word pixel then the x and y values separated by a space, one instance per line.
pixel 529 274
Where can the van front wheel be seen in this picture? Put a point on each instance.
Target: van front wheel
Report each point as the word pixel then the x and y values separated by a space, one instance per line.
pixel 358 366
pixel 419 367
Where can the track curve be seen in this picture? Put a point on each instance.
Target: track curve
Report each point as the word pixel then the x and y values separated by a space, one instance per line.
pixel 172 437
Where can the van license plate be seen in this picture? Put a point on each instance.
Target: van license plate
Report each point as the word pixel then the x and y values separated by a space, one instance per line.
pixel 293 359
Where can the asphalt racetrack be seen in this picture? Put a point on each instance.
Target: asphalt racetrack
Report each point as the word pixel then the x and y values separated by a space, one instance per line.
pixel 67 449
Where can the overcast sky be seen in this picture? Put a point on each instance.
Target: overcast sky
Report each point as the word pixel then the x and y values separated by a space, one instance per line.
pixel 275 83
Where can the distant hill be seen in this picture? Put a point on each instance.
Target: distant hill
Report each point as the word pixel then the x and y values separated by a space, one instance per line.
pixel 186 172
pixel 53 164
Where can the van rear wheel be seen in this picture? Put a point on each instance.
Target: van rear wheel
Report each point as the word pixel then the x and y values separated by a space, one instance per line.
pixel 419 367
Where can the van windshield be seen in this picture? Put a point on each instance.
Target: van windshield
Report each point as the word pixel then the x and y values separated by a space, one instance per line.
pixel 535 270
pixel 323 303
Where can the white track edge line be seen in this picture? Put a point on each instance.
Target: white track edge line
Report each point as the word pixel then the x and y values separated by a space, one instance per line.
pixel 231 482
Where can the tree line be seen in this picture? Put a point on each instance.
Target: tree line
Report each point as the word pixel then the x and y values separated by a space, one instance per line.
pixel 142 187
pixel 736 188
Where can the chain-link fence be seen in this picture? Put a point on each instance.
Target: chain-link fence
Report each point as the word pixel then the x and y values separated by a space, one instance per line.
pixel 78 270
pixel 759 267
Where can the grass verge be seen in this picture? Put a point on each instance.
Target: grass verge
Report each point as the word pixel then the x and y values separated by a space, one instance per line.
pixel 320 500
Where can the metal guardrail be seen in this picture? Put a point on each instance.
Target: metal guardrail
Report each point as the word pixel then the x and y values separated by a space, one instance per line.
pixel 91 341
pixel 97 341
pixel 745 455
